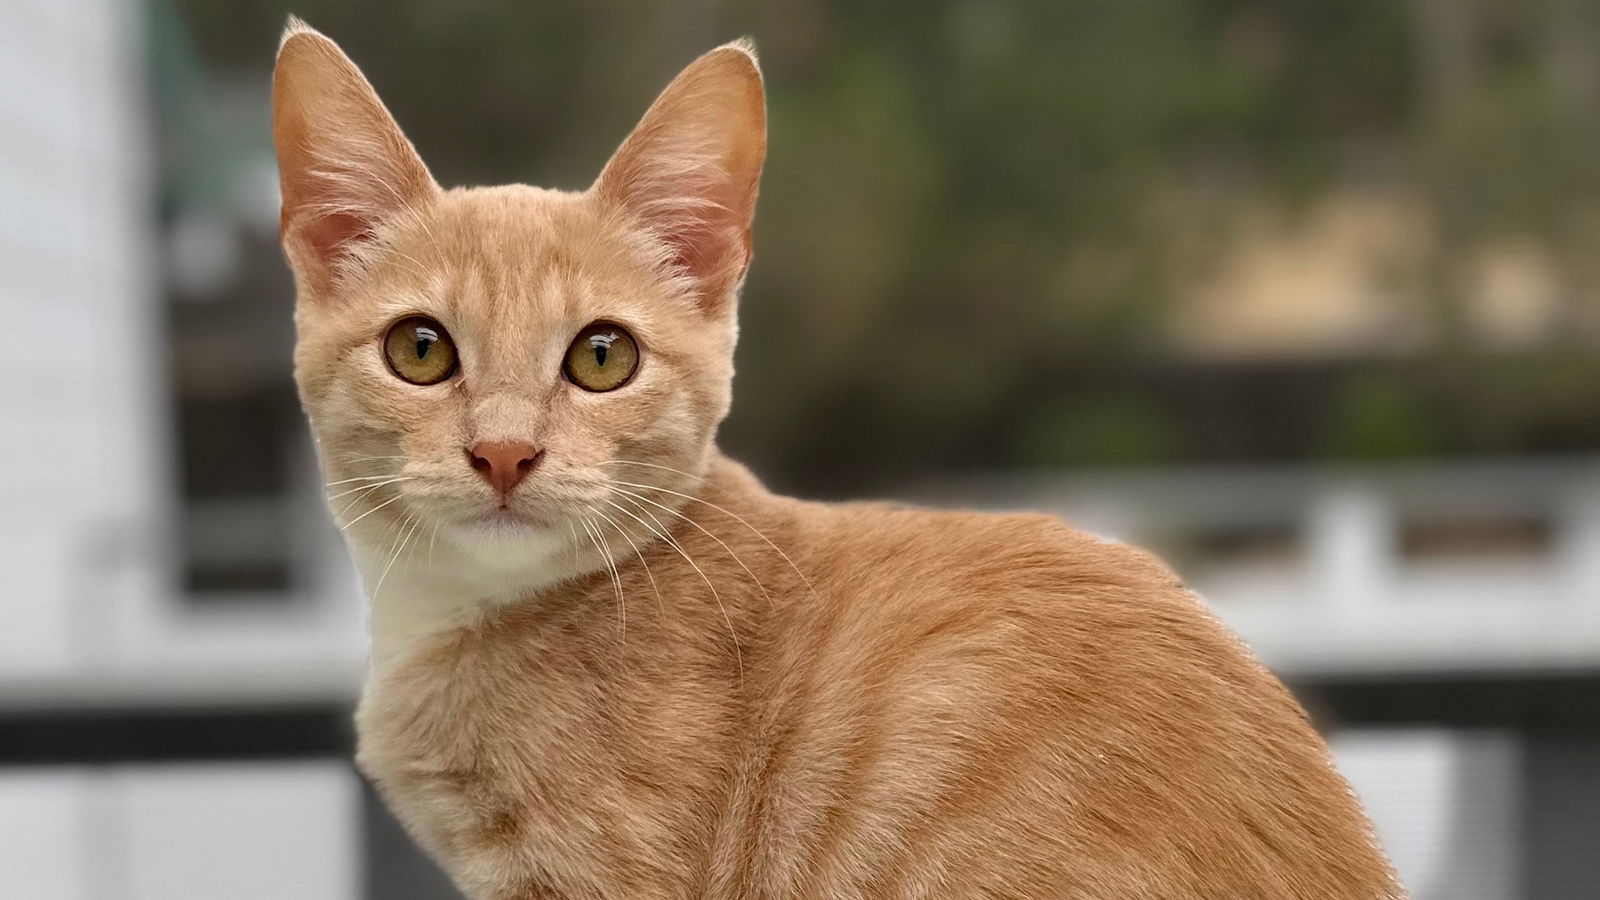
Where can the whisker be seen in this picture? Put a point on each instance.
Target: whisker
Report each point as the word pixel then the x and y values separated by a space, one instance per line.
pixel 635 462
pixel 391 536
pixel 574 549
pixel 660 608
pixel 369 512
pixel 365 492
pixel 665 532
pixel 734 516
pixel 414 524
pixel 738 656
pixel 616 578
pixel 708 534
pixel 371 487
pixel 360 478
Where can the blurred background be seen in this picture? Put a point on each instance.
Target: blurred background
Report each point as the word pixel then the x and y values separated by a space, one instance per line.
pixel 1303 293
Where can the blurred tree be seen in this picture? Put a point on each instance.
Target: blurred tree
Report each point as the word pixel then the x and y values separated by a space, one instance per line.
pixel 976 209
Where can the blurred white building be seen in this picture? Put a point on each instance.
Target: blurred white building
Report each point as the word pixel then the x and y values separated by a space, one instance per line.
pixel 95 619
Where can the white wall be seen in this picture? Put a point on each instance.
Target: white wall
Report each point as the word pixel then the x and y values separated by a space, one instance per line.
pixel 79 503
pixel 241 832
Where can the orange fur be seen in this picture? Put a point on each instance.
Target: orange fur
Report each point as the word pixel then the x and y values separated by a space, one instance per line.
pixel 646 676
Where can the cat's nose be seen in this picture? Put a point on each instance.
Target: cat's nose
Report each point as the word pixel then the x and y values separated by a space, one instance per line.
pixel 503 463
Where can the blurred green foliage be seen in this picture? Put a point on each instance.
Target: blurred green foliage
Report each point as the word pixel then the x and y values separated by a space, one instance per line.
pixel 977 213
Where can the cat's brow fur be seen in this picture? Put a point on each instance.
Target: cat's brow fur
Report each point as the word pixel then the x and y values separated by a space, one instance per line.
pixel 675 684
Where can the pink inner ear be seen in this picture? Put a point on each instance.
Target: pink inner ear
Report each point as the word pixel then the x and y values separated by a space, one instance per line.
pixel 701 216
pixel 330 233
pixel 698 247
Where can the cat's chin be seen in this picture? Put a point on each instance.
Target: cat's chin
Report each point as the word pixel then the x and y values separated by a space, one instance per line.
pixel 502 523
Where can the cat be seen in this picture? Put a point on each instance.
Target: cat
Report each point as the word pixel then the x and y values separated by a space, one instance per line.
pixel 607 663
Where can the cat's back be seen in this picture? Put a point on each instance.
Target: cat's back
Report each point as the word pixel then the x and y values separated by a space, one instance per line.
pixel 1015 708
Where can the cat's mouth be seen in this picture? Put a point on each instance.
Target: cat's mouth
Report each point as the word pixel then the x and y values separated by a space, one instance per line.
pixel 527 514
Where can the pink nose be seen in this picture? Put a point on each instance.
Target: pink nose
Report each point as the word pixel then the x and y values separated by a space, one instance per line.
pixel 503 463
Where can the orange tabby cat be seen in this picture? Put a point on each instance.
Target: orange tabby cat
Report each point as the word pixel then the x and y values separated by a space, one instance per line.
pixel 607 663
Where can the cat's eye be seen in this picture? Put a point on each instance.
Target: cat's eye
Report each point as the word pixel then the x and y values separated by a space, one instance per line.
pixel 419 350
pixel 602 357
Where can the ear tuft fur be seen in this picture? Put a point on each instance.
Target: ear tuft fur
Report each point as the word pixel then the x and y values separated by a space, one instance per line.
pixel 294 27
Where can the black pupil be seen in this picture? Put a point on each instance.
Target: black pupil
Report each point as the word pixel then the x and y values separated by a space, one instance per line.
pixel 600 353
pixel 426 338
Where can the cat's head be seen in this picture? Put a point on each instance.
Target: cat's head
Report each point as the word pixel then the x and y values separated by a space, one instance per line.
pixel 486 365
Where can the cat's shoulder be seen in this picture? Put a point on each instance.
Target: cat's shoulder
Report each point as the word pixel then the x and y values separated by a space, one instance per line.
pixel 1028 588
pixel 1030 551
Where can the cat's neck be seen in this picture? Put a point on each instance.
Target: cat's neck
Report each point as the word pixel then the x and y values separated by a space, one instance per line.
pixel 448 585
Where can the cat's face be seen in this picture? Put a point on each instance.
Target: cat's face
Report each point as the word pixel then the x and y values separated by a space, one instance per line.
pixel 498 368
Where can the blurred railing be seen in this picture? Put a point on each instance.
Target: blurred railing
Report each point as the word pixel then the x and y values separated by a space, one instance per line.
pixel 1437 567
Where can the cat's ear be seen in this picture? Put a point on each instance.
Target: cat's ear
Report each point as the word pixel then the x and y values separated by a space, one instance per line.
pixel 344 166
pixel 689 170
